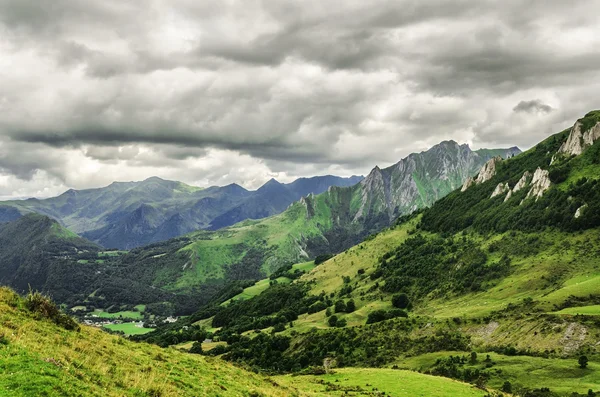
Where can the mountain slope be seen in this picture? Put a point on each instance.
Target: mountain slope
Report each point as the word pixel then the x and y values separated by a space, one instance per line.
pixel 125 215
pixel 496 284
pixel 38 358
pixel 317 224
pixel 35 248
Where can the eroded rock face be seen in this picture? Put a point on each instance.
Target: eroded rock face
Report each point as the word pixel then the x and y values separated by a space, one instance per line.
pixel 539 184
pixel 522 182
pixel 500 189
pixel 488 170
pixel 579 211
pixel 579 140
pixel 468 183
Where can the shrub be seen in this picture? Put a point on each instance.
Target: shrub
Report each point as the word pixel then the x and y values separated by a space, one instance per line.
pixel 400 301
pixel 583 362
pixel 507 387
pixel 332 321
pixel 196 348
pixel 340 306
pixel 44 307
pixel 350 306
pixel 341 323
pixel 376 316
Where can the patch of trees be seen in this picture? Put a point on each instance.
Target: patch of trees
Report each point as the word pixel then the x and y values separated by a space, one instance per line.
pixel 421 266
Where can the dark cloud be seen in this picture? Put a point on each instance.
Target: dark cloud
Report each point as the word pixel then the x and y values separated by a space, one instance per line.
pixel 280 87
pixel 532 106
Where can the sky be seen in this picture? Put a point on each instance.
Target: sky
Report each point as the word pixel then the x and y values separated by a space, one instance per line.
pixel 215 92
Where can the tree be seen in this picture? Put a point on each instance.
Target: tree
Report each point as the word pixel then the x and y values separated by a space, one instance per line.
pixel 340 306
pixel 332 321
pixel 328 312
pixel 507 387
pixel 350 306
pixel 400 301
pixel 196 348
pixel 473 358
pixel 583 362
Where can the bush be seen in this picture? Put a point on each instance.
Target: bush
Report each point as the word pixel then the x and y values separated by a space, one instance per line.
pixel 341 323
pixel 44 307
pixel 196 348
pixel 583 362
pixel 350 306
pixel 332 321
pixel 400 301
pixel 340 306
pixel 376 316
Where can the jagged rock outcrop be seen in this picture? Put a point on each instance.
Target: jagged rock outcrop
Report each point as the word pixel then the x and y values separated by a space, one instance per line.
pixel 488 170
pixel 522 182
pixel 579 139
pixel 539 184
pixel 580 210
pixel 468 183
pixel 500 189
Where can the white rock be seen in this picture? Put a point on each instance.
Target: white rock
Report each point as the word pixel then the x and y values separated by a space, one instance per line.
pixel 578 141
pixel 500 189
pixel 539 184
pixel 580 210
pixel 522 182
pixel 468 183
pixel 488 170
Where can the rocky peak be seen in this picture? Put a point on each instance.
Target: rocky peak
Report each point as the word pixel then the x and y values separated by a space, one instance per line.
pixel 500 189
pixel 539 184
pixel 488 170
pixel 522 182
pixel 468 183
pixel 579 139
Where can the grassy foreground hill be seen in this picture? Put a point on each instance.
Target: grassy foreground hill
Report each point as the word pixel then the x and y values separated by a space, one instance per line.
pixel 41 358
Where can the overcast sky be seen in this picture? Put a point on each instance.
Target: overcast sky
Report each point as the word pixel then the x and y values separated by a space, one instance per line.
pixel 214 92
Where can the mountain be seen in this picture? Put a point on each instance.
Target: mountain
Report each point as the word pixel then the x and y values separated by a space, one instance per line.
pixel 126 215
pixel 495 284
pixel 35 250
pixel 316 224
pixel 274 197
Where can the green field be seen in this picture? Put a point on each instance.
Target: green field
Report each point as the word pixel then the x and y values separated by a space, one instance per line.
pixel 124 314
pixel 256 289
pixel 368 381
pixel 593 310
pixel 560 375
pixel 129 328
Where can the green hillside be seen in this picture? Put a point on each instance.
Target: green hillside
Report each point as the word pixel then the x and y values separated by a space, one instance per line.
pixel 496 285
pixel 40 357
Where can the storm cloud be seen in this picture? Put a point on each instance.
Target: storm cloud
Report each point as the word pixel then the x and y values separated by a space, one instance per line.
pixel 215 92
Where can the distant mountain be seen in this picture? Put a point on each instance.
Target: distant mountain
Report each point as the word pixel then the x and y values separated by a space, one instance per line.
pixel 126 215
pixel 35 249
pixel 274 197
pixel 316 224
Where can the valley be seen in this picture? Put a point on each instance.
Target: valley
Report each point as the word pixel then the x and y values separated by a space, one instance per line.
pixel 472 284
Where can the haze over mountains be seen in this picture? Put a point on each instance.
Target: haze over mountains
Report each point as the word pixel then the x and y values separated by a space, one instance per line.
pixel 126 215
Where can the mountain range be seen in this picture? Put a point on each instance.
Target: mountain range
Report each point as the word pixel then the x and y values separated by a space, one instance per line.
pixel 199 263
pixel 126 215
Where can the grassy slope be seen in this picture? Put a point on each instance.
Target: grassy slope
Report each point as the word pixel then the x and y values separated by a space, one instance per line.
pixel 368 381
pixel 562 376
pixel 40 358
